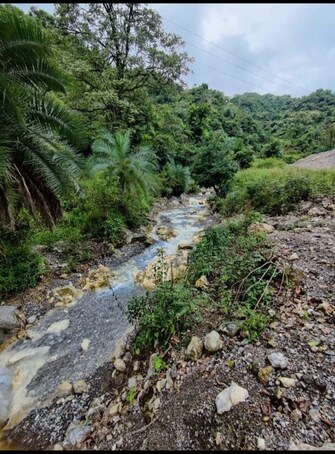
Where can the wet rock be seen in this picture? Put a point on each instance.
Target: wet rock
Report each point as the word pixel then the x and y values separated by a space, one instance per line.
pixel 213 341
pixel 287 382
pixel 277 360
pixel 202 282
pixel 294 256
pixel 85 344
pixel 81 387
pixel 64 389
pixel 194 348
pixel 229 397
pixel 165 233
pixel 264 374
pixel 66 295
pixel 120 365
pixel 5 393
pixel 97 278
pixel 8 318
pixel 260 227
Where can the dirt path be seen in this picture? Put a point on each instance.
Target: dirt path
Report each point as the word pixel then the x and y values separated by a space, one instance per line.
pixel 318 161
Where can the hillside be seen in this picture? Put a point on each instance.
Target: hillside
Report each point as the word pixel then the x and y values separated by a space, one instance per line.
pixel 325 160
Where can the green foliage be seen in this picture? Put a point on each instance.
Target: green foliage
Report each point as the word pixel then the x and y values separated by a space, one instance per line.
pixel 176 179
pixel 168 310
pixel 38 162
pixel 237 266
pixel 131 395
pixel 159 364
pixel 268 163
pixel 276 190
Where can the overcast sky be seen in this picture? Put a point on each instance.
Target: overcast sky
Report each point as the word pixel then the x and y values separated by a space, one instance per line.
pixel 265 48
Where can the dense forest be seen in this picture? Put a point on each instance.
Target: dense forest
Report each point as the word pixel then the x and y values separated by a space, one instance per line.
pixel 96 122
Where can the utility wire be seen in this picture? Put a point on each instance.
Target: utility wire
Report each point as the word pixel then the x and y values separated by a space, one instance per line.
pixel 237 66
pixel 232 53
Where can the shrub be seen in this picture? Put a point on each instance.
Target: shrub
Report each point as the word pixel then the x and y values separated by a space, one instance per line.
pixel 19 269
pixel 169 310
pixel 275 190
pixel 268 163
pixel 176 179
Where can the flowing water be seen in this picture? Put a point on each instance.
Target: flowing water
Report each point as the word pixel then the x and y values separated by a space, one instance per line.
pixel 31 369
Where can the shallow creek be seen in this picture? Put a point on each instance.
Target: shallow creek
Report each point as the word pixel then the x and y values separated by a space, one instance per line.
pixel 31 369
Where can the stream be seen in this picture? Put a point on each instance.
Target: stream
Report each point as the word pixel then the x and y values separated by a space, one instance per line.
pixel 31 369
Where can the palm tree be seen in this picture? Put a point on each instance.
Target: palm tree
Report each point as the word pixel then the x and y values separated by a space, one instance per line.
pixel 134 168
pixel 38 161
pixel 178 177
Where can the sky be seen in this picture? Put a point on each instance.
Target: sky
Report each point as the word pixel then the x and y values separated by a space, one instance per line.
pixel 263 48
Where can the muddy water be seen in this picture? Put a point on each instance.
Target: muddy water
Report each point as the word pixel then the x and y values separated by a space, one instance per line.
pixel 38 364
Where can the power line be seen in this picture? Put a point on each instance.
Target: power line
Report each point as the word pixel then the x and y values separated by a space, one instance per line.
pixel 237 66
pixel 232 53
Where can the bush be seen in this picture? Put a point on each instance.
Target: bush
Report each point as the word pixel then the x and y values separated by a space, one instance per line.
pixel 237 265
pixel 176 179
pixel 268 163
pixel 169 310
pixel 275 190
pixel 19 269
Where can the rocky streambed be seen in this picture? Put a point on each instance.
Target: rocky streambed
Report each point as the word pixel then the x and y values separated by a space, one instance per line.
pixel 67 351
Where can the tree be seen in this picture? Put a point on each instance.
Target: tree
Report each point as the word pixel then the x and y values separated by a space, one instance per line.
pixel 177 179
pixel 38 163
pixel 135 169
pixel 126 51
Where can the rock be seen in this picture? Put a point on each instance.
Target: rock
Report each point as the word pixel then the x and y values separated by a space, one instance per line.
pixel 264 374
pixel 306 447
pixel 165 233
pixel 185 246
pixel 315 212
pixel 218 438
pixel 296 415
pixel 114 410
pixel 194 348
pixel 315 415
pixel 287 382
pixel 260 227
pixel 59 326
pixel 139 237
pixel 66 295
pixel 5 393
pixel 76 434
pixel 294 256
pixel 58 447
pixel 119 350
pixel 85 344
pixel 277 360
pixel 81 387
pixel 97 278
pixel 202 282
pixel 213 341
pixel 326 308
pixel 229 397
pixel 8 318
pixel 64 276
pixel 64 389
pixel 137 366
pixel 120 365
pixel 231 328
pixel 132 382
pixel 261 444
pixel 151 369
pixel 156 403
pixel 171 268
pixel 127 357
pixel 31 319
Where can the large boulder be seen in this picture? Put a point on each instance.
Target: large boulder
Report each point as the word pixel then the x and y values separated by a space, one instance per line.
pixel 169 268
pixel 8 318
